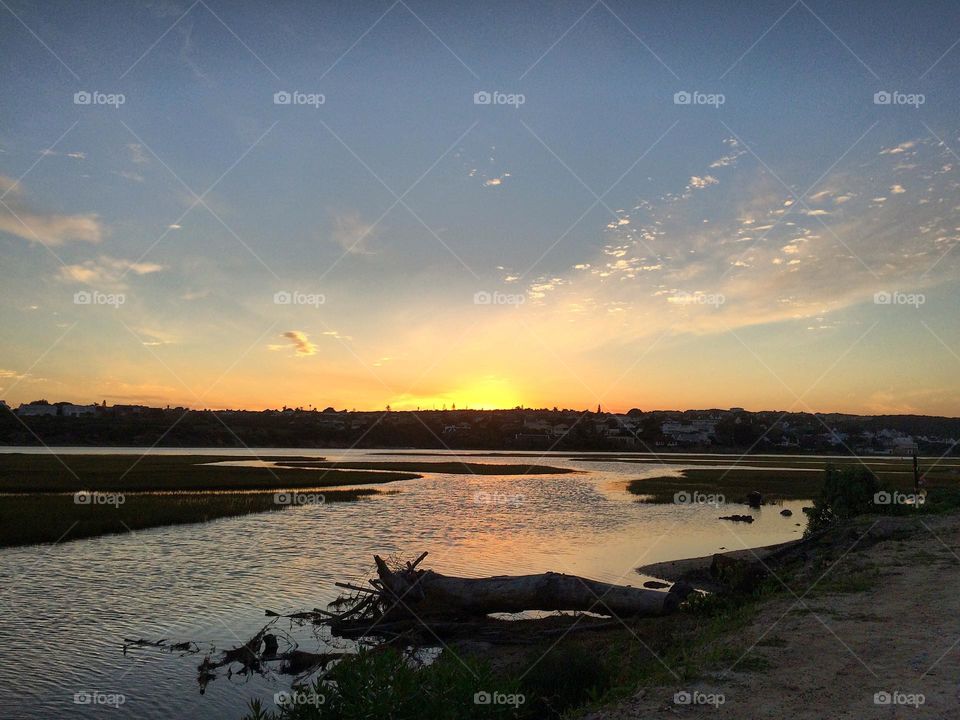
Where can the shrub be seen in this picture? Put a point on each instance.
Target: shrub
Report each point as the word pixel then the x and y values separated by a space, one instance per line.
pixel 847 492
pixel 384 684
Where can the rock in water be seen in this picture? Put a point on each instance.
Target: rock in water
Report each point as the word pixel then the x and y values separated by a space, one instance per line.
pixel 738 518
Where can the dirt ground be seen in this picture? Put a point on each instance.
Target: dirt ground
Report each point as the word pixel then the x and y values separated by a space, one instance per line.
pixel 883 624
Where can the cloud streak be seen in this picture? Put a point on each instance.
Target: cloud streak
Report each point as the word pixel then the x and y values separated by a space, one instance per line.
pixel 19 219
pixel 299 341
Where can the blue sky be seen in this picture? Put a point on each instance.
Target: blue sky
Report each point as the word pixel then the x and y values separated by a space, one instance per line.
pixel 639 252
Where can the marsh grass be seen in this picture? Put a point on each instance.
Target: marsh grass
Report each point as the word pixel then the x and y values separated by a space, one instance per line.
pixel 732 484
pixel 47 518
pixel 793 483
pixel 33 473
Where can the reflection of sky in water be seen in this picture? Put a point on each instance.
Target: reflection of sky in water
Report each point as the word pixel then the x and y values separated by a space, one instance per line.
pixel 74 603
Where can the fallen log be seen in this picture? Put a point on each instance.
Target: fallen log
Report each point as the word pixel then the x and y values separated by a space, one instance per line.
pixel 425 593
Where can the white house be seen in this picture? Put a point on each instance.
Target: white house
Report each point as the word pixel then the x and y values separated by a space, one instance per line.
pixel 77 410
pixel 36 410
pixel 699 432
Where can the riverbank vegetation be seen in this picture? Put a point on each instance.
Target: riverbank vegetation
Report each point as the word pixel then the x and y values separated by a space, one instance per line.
pixel 781 478
pixel 27 519
pixel 34 473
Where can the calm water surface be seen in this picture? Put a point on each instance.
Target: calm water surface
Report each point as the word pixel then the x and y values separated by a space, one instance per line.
pixel 67 608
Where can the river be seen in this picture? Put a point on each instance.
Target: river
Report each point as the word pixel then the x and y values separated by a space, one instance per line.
pixel 66 608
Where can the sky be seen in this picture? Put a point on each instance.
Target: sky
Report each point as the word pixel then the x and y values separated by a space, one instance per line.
pixel 424 204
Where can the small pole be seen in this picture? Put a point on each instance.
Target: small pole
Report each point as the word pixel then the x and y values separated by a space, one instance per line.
pixel 916 471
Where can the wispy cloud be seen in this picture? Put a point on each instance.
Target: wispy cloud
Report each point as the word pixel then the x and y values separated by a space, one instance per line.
pixel 299 341
pixel 352 233
pixel 18 218
pixel 138 155
pixel 762 258
pixel 106 272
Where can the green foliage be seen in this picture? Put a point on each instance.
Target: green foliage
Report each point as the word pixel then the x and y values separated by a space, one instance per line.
pixel 941 499
pixel 566 677
pixel 846 493
pixel 383 684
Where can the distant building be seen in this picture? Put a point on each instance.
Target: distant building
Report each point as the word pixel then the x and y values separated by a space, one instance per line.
pixel 37 410
pixel 698 432
pixel 835 437
pixel 904 444
pixel 70 410
pixel 458 428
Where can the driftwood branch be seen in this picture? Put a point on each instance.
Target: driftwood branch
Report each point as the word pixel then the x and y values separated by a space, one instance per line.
pixel 425 593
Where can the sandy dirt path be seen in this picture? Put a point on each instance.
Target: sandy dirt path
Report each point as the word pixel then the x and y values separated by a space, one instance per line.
pixel 883 624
